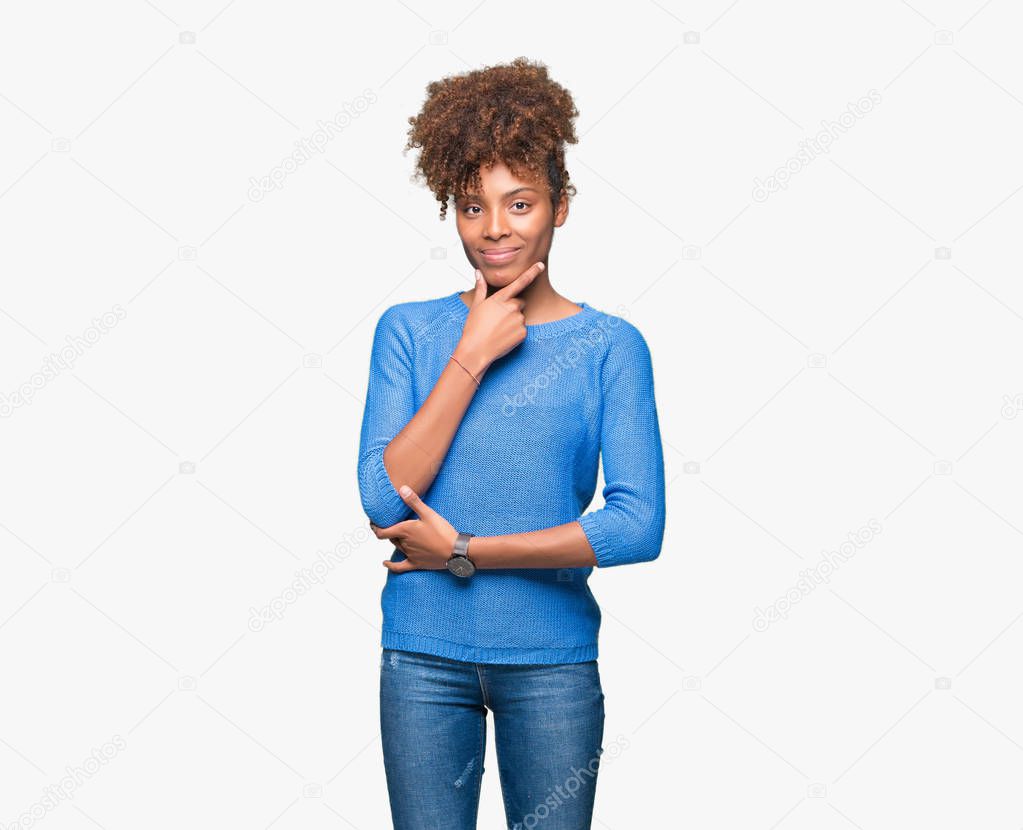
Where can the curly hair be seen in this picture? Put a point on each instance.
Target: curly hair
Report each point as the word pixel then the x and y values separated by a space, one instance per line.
pixel 512 113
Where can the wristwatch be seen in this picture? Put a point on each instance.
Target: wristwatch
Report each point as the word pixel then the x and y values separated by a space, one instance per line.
pixel 459 563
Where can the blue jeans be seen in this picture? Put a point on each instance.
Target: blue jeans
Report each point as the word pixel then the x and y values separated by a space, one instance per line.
pixel 548 729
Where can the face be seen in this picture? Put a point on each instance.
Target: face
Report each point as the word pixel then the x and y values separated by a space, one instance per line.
pixel 509 226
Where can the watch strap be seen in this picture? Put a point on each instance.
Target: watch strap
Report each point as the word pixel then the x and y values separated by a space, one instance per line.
pixel 462 545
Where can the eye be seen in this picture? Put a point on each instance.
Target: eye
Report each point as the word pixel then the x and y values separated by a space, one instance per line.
pixel 470 207
pixel 524 204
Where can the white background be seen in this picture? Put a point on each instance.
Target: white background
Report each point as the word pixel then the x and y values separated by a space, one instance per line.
pixel 846 351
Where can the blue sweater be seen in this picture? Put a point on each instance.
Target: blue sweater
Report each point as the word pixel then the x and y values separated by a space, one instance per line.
pixel 525 457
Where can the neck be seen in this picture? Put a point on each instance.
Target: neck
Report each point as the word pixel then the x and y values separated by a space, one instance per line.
pixel 542 303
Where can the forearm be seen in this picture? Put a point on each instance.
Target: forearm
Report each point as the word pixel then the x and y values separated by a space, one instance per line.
pixel 563 546
pixel 414 456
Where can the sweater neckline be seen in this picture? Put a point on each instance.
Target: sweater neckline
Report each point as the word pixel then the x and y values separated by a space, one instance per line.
pixel 537 331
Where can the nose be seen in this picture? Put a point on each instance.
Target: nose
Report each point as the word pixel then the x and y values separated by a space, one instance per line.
pixel 496 226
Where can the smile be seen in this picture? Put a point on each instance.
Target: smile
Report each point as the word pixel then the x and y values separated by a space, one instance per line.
pixel 495 255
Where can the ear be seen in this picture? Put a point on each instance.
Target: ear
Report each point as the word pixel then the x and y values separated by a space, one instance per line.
pixel 561 210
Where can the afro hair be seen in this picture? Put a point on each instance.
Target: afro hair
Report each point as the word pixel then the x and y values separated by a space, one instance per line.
pixel 511 113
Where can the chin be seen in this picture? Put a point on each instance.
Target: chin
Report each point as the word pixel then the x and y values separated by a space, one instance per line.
pixel 500 274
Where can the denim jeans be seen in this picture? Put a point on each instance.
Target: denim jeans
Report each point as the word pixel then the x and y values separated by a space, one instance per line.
pixel 548 729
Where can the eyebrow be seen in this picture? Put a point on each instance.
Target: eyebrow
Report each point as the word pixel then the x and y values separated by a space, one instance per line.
pixel 505 196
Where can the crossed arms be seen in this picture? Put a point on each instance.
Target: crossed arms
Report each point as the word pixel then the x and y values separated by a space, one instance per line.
pixel 402 446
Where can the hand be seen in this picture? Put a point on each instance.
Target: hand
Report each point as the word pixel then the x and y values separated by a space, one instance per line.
pixel 427 542
pixel 496 324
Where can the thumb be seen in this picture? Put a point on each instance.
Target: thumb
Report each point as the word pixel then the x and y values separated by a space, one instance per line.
pixel 411 498
pixel 399 567
pixel 481 289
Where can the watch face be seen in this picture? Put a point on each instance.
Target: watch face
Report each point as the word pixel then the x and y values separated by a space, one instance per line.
pixel 460 566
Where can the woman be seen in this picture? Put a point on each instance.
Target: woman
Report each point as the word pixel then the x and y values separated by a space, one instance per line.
pixel 486 413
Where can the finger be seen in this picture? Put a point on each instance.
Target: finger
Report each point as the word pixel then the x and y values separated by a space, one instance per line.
pixel 481 289
pixel 411 498
pixel 399 567
pixel 520 282
pixel 392 531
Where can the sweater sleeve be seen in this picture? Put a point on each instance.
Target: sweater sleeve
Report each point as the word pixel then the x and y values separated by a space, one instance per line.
pixel 629 527
pixel 389 407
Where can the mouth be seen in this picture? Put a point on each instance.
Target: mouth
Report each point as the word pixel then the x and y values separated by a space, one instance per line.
pixel 498 255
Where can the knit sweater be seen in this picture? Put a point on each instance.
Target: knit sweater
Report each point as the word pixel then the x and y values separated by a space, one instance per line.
pixel 524 458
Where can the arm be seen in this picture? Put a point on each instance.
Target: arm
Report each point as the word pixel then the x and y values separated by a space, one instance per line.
pixel 629 527
pixel 397 444
pixel 564 546
pixel 401 446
